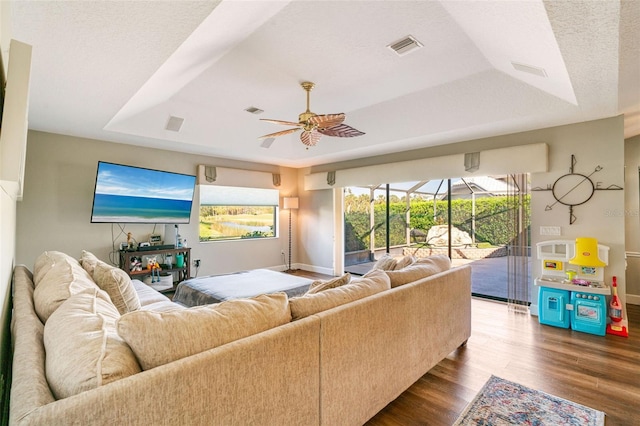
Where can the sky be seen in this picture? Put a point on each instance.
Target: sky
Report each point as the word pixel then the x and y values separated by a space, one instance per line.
pixel 116 179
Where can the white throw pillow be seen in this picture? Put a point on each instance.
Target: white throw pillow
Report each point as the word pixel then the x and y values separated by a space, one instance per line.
pixel 82 346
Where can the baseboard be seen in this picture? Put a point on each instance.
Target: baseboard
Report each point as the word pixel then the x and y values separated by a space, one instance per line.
pixel 311 268
pixel 633 299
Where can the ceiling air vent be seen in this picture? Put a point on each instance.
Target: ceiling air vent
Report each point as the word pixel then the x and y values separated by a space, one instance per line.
pixel 540 72
pixel 267 142
pixel 405 45
pixel 254 110
pixel 174 124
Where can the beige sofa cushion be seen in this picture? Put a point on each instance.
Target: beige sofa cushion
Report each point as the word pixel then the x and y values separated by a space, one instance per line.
pixel 375 282
pixel 89 261
pixel 403 262
pixel 118 286
pixel 83 349
pixel 421 268
pixel 148 295
pixel 385 263
pixel 64 279
pixel 321 285
pixel 440 262
pixel 164 306
pixel 390 263
pixel 46 261
pixel 158 338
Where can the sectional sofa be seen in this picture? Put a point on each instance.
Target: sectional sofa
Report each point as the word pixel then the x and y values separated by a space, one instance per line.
pixel 92 347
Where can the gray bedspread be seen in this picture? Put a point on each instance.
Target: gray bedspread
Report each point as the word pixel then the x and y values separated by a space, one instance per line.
pixel 217 288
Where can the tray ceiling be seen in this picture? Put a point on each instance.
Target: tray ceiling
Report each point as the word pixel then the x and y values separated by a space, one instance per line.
pixel 118 70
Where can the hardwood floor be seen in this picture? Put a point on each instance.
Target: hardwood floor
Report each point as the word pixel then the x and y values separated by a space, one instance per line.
pixel 600 372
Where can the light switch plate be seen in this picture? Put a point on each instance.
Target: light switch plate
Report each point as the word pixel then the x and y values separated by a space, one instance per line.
pixel 549 230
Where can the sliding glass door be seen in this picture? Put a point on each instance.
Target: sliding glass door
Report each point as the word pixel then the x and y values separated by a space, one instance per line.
pixel 481 221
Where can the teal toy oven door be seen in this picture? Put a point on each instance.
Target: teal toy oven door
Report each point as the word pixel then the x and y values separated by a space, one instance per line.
pixel 589 313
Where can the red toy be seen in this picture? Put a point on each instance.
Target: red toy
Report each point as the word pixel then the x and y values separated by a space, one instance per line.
pixel 616 326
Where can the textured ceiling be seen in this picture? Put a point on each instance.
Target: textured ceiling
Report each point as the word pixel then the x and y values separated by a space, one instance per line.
pixel 117 70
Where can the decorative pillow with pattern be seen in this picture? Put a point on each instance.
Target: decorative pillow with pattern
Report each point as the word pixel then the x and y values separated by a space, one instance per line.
pixel 321 285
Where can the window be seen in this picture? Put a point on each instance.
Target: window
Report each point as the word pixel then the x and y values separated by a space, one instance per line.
pixel 233 213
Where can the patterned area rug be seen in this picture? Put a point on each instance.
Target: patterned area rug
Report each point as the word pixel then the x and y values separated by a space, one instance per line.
pixel 501 402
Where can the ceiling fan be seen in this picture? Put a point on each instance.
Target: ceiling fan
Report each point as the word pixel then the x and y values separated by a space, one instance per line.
pixel 313 126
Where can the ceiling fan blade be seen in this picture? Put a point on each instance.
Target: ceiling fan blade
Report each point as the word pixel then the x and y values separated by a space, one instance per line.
pixel 285 123
pixel 280 133
pixel 310 138
pixel 341 131
pixel 326 120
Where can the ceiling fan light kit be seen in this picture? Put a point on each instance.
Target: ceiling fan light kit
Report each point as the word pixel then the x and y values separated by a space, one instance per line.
pixel 313 126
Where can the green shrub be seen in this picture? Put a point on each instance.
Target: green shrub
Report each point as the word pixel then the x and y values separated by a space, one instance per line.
pixel 492 221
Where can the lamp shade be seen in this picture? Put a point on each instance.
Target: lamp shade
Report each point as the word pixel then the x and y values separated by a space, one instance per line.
pixel 290 203
pixel 587 253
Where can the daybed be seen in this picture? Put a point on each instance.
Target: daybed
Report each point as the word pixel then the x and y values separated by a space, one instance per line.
pixel 295 361
pixel 218 288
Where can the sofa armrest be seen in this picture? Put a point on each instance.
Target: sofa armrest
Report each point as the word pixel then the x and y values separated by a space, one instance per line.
pixel 29 387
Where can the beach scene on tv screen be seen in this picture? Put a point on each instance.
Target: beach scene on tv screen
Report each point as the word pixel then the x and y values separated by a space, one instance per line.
pixel 127 194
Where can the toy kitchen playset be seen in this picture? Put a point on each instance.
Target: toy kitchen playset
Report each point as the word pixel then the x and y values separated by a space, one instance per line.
pixel 572 291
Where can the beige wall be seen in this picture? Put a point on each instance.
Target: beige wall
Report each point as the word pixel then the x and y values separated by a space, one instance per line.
pixel 56 208
pixel 632 217
pixel 7 241
pixel 7 256
pixel 60 175
pixel 594 143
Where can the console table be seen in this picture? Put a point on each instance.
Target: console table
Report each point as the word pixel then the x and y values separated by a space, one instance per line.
pixel 183 272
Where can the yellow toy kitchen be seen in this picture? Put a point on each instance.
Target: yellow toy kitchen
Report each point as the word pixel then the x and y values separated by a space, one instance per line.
pixel 572 290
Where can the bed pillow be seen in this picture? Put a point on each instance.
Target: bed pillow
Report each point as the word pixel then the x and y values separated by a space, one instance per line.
pixel 158 338
pixel 82 346
pixel 118 286
pixel 421 268
pixel 375 282
pixel 64 279
pixel 321 285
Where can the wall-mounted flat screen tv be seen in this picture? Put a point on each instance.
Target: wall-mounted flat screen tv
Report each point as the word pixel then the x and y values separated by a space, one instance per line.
pixel 127 194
